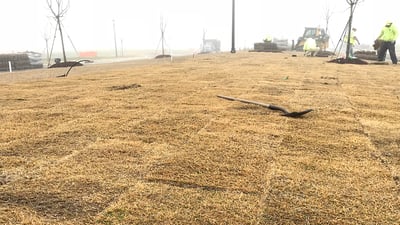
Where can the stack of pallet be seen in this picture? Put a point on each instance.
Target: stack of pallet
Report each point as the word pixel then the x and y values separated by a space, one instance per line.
pixel 275 45
pixel 266 47
pixel 20 61
pixel 36 59
pixel 368 55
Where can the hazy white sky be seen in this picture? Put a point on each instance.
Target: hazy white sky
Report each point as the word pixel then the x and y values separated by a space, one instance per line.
pixel 89 23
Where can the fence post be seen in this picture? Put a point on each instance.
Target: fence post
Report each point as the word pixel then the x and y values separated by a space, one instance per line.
pixel 10 66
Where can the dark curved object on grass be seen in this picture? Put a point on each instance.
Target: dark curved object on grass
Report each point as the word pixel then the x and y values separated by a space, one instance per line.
pixel 269 106
pixel 73 64
pixel 63 64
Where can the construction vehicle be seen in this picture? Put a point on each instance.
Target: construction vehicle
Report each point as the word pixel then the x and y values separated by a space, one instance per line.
pixel 318 34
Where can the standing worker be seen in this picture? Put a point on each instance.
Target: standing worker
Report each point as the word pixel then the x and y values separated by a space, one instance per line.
pixel 388 38
pixel 353 40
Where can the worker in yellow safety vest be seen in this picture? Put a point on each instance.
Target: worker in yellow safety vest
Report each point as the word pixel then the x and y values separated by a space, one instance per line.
pixel 268 39
pixel 388 37
pixel 310 47
pixel 353 40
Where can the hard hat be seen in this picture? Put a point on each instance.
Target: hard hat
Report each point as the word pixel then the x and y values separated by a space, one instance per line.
pixel 388 23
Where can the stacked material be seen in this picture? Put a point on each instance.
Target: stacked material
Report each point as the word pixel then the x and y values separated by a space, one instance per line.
pixel 20 61
pixel 272 45
pixel 266 47
pixel 35 59
pixel 369 55
pixel 282 43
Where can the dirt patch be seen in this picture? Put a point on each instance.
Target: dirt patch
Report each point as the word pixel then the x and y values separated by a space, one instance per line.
pixel 125 87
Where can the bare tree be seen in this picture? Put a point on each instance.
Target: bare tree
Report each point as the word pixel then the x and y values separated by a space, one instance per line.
pixel 59 10
pixel 353 4
pixel 163 26
pixel 327 17
pixel 46 38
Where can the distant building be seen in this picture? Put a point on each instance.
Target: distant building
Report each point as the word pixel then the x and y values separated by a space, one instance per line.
pixel 90 54
pixel 211 46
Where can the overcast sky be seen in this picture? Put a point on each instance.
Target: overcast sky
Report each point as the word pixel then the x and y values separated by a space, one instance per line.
pixel 89 23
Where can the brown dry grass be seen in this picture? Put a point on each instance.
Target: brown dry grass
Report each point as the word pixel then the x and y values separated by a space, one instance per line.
pixel 148 142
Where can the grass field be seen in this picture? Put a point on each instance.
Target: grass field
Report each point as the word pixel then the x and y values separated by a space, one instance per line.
pixel 148 142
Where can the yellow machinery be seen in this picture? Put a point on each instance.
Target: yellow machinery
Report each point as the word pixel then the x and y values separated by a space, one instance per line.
pixel 318 34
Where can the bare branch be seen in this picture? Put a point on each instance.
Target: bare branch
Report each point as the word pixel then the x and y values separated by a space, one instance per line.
pixel 65 9
pixel 352 2
pixel 60 10
pixel 50 5
pixel 328 15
